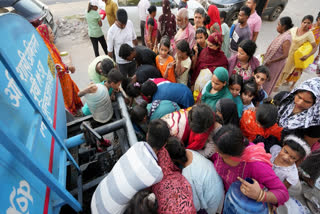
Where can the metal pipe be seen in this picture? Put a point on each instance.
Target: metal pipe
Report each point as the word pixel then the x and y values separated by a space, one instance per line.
pixel 129 128
pixel 102 130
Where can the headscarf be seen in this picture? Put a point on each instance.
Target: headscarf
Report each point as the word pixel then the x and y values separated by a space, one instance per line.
pixel 222 74
pixel 173 192
pixel 214 15
pixel 254 153
pixel 210 58
pixel 229 111
pixel 216 38
pixel 167 20
pixel 211 99
pixel 307 118
pixel 44 33
pixel 251 129
pixel 166 9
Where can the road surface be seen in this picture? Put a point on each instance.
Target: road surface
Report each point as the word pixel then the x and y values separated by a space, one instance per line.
pixel 82 53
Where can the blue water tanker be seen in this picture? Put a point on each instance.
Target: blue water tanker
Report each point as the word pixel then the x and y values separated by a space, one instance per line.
pixel 45 162
pixel 237 203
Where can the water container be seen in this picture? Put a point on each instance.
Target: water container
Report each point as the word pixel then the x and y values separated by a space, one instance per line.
pixel 100 104
pixel 305 49
pixel 237 203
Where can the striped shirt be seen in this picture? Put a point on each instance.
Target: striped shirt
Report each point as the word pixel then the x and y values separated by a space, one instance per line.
pixel 137 169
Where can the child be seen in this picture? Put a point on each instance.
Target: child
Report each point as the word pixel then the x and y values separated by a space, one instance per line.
pixel 225 33
pixel 112 85
pixel 183 62
pixel 248 92
pixel 165 62
pixel 201 38
pixel 227 113
pixel 260 75
pixel 235 85
pixel 138 115
pixel 192 125
pixel 284 159
pixel 261 125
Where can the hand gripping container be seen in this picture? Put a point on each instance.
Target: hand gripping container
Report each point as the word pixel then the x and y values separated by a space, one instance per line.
pixel 237 203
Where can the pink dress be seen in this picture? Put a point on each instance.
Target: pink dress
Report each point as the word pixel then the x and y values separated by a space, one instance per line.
pixel 260 171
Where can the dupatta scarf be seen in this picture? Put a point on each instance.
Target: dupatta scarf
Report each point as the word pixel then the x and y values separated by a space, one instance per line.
pixel 210 58
pixel 55 54
pixel 307 118
pixel 251 129
pixel 214 15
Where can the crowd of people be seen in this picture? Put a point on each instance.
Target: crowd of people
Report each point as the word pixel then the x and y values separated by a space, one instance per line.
pixel 200 105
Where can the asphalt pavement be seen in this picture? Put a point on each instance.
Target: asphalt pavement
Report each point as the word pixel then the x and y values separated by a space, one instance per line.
pixel 82 53
pixel 50 2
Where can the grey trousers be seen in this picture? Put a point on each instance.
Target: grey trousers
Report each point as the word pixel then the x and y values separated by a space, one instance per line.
pixel 142 28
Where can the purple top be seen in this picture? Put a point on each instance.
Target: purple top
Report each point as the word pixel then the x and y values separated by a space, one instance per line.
pixel 260 171
pixel 232 62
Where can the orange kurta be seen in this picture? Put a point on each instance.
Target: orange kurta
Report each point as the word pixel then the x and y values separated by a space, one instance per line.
pixel 162 68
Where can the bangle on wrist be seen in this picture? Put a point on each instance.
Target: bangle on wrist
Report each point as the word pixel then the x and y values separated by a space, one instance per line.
pixel 259 199
pixel 265 197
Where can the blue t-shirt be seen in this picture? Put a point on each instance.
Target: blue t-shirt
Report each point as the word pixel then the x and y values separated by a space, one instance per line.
pixel 175 92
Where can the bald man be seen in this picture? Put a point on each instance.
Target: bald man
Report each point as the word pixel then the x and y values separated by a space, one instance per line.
pixel 186 30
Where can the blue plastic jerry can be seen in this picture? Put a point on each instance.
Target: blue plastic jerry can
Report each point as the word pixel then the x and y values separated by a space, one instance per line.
pixel 237 203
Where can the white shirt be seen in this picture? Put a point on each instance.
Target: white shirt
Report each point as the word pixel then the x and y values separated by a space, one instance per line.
pixel 117 36
pixel 143 7
pixel 289 173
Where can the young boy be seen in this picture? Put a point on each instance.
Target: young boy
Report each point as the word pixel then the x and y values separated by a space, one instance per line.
pixel 225 33
pixel 107 93
pixel 137 169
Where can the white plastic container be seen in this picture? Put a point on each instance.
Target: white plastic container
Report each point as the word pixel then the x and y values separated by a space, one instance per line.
pixel 100 104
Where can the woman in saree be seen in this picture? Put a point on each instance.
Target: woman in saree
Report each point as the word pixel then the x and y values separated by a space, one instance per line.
pixel 150 36
pixel 316 32
pixel 210 57
pixel 277 53
pixel 215 23
pixel 299 37
pixel 69 88
pixel 237 159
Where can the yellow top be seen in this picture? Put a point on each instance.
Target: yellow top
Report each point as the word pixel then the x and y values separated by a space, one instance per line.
pixel 111 11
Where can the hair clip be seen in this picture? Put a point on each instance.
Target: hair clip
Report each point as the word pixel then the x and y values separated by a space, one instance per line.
pixel 136 84
pixel 272 102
